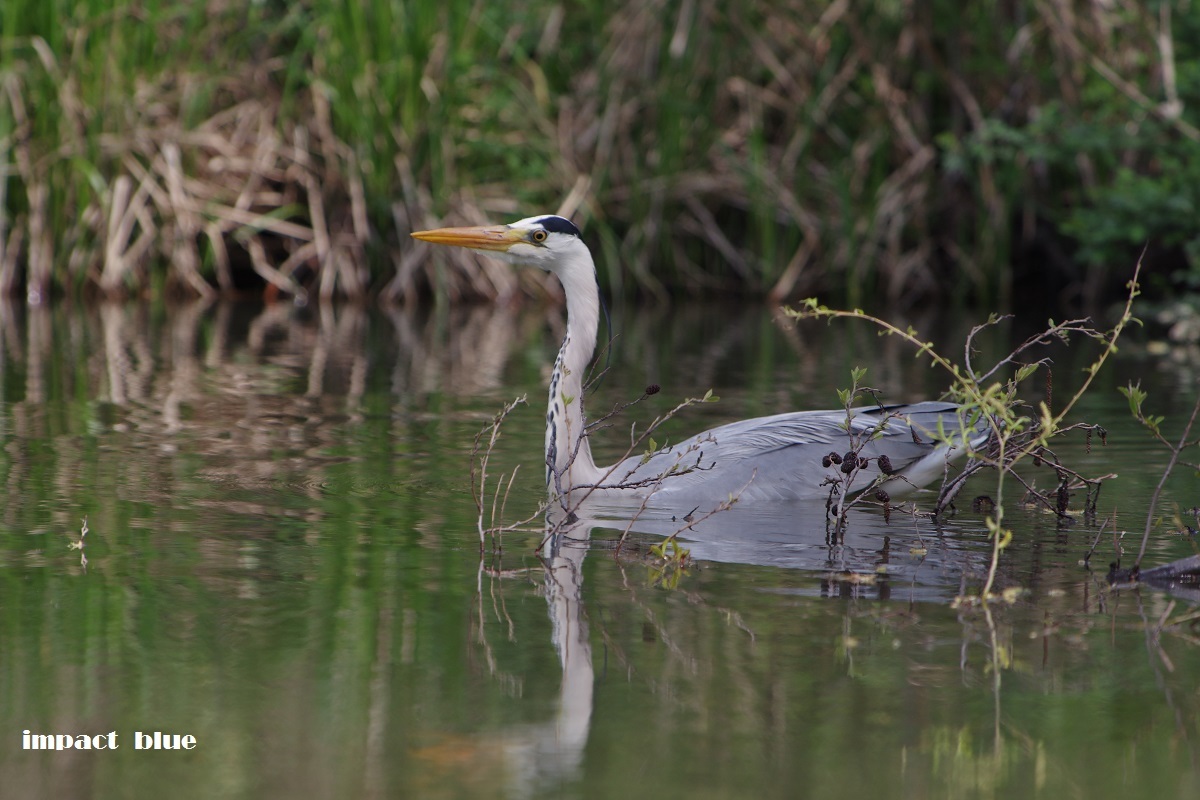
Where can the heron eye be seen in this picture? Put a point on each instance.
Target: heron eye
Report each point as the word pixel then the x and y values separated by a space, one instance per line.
pixel 539 236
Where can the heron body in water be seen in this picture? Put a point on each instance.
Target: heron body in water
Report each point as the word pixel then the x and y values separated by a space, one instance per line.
pixel 791 456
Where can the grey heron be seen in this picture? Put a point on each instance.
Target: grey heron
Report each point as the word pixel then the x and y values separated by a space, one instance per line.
pixel 792 456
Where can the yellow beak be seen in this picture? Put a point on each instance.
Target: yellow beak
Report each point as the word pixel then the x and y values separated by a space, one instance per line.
pixel 490 237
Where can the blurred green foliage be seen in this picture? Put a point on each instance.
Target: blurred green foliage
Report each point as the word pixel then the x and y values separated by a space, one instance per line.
pixel 872 149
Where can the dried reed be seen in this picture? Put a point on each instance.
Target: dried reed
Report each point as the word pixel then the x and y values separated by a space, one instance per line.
pixel 771 146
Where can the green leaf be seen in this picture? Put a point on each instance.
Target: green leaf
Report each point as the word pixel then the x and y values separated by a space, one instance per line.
pixel 1025 371
pixel 1135 396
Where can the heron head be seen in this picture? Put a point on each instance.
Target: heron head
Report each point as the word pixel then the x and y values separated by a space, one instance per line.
pixel 546 241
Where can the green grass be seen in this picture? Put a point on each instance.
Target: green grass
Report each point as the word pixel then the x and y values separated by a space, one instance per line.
pixel 879 152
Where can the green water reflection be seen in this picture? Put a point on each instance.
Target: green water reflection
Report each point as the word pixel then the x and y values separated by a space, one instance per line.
pixel 282 561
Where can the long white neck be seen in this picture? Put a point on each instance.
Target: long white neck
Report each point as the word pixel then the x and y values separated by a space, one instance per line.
pixel 567 446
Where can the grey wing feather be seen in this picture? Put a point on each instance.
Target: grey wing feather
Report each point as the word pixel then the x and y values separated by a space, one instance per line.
pixel 779 457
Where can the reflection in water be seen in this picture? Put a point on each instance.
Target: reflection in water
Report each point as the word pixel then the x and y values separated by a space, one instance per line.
pixel 258 392
pixel 547 756
pixel 977 759
pixel 282 560
pixel 872 558
pixel 564 593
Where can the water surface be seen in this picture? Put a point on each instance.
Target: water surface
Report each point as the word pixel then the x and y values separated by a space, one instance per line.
pixel 282 559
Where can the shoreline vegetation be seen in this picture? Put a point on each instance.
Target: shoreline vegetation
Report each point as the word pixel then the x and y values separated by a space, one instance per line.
pixel 888 150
